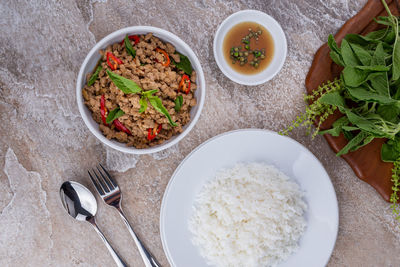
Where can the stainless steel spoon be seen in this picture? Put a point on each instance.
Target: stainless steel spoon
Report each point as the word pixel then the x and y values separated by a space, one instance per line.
pixel 81 205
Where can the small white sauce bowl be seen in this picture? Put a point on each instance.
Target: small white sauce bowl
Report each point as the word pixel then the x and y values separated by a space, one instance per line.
pixel 278 36
pixel 93 57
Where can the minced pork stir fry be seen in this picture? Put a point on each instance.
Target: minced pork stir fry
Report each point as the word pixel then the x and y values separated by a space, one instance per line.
pixel 141 92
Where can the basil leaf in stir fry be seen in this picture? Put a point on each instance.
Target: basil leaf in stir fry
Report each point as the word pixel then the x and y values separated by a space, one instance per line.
pixel 157 104
pixel 184 64
pixel 149 93
pixel 143 104
pixel 125 85
pixel 178 103
pixel 95 75
pixel 114 114
pixel 129 47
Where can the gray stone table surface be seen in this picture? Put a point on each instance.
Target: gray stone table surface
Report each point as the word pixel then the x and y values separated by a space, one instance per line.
pixel 45 142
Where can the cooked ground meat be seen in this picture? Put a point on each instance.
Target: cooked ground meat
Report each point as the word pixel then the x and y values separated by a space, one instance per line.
pixel 148 71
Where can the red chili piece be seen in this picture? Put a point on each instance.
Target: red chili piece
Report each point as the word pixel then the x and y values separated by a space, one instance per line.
pixel 153 132
pixel 117 123
pixel 135 38
pixel 184 84
pixel 121 127
pixel 103 110
pixel 110 57
pixel 166 62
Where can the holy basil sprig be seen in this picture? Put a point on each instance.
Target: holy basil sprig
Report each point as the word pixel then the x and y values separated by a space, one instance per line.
pixel 394 198
pixel 390 152
pixel 130 87
pixel 369 81
pixel 367 93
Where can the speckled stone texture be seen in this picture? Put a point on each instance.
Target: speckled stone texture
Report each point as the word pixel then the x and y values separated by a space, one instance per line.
pixel 45 142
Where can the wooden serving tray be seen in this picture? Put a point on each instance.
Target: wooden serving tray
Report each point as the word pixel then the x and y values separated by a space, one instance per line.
pixel 366 161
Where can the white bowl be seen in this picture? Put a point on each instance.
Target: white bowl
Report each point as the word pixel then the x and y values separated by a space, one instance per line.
pixel 280 46
pixel 93 57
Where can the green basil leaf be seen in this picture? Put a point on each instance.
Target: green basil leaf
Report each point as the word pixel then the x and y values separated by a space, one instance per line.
pixel 396 59
pixel 348 56
pixel 143 104
pixel 354 77
pixel 379 55
pixel 348 135
pixel 390 37
pixel 363 55
pixel 143 99
pixel 353 143
pixel 95 75
pixel 363 94
pixel 390 152
pixel 373 68
pixel 334 99
pixel 366 141
pixel 150 92
pixel 114 114
pixel 184 64
pixel 125 85
pixel 379 82
pixel 389 112
pixel 357 39
pixel 383 21
pixel 336 127
pixel 157 104
pixel 333 45
pixel 397 92
pixel 373 124
pixel 367 40
pixel 178 103
pixel 376 35
pixel 336 58
pixel 362 122
pixel 129 47
pixel 350 128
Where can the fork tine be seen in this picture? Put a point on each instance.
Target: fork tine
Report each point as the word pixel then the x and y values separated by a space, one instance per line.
pixel 99 189
pixel 112 180
pixel 105 179
pixel 103 185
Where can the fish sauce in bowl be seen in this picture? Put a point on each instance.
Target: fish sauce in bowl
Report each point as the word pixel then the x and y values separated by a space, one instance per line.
pixel 248 48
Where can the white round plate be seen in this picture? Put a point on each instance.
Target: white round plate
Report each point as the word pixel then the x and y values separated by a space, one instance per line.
pixel 250 145
pixel 280 46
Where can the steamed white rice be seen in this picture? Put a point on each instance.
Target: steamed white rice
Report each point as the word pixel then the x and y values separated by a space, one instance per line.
pixel 250 215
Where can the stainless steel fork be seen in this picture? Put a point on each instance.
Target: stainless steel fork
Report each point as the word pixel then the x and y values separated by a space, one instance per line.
pixel 109 191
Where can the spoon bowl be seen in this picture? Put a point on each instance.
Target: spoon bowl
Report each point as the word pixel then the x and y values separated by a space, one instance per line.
pixel 78 201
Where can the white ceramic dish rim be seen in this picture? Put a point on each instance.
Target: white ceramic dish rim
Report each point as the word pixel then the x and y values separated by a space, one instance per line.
pixel 258 78
pixel 200 93
pixel 165 196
